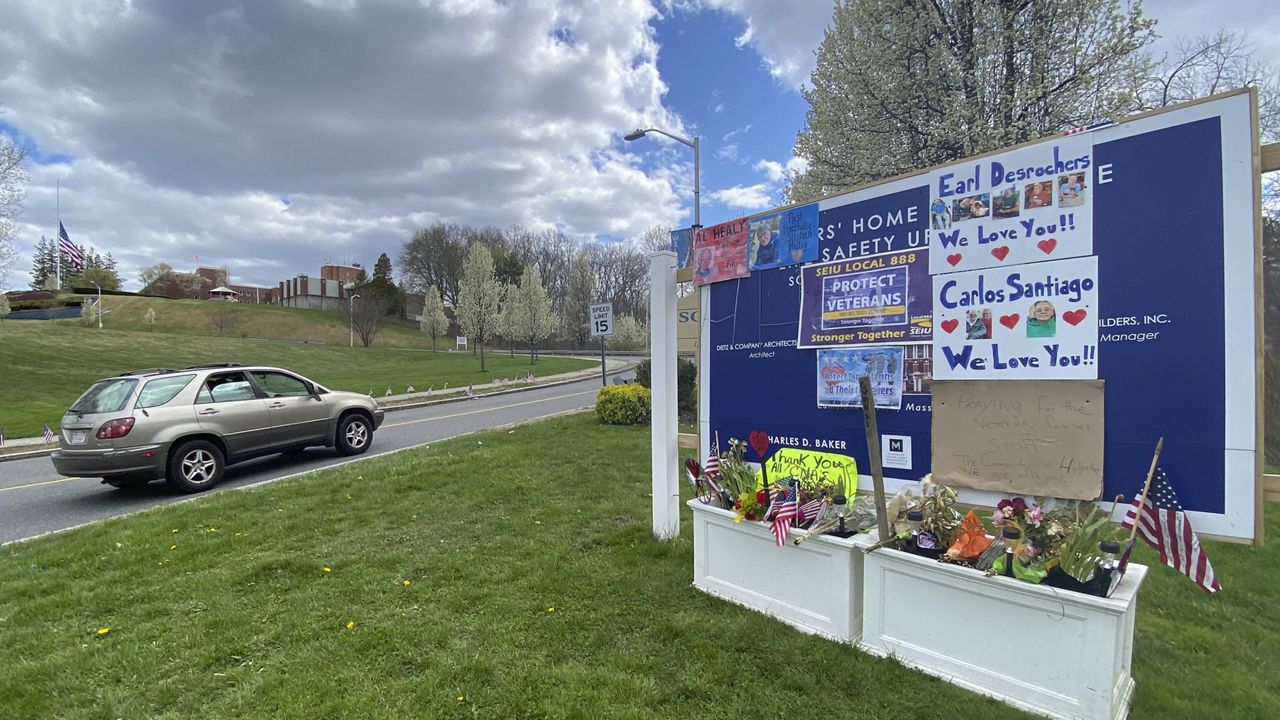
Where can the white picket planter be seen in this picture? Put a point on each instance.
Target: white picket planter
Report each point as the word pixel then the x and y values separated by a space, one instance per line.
pixel 1042 649
pixel 815 587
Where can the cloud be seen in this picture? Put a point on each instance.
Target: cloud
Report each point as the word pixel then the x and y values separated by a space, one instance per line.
pixel 748 197
pixel 777 172
pixel 785 34
pixel 179 129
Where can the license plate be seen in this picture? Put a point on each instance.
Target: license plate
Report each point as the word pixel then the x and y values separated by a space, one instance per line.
pixel 77 437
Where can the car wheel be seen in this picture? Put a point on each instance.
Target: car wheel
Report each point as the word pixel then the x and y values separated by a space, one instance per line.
pixel 355 432
pixel 195 466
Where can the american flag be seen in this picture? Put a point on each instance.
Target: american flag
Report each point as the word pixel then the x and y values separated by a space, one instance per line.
pixel 68 248
pixel 1165 527
pixel 48 434
pixel 809 510
pixel 712 467
pixel 782 512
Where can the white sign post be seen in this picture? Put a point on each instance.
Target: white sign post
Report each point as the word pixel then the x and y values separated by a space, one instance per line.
pixel 601 322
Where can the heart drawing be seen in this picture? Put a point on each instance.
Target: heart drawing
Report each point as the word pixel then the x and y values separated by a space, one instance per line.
pixel 1047 246
pixel 1074 316
pixel 955 259
pixel 759 442
pixel 950 325
pixel 1001 252
pixel 1010 321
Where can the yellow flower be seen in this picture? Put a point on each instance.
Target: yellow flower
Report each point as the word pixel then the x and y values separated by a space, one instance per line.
pixel 351 624
pixel 104 631
pixel 461 698
pixel 348 497
pixel 328 569
pixel 174 530
pixel 173 547
pixel 405 583
pixel 551 609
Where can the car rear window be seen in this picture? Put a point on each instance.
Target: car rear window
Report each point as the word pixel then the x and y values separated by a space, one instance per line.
pixel 105 396
pixel 161 390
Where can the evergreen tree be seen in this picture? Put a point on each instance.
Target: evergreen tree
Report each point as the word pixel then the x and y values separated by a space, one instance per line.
pixel 901 85
pixel 383 287
pixel 43 263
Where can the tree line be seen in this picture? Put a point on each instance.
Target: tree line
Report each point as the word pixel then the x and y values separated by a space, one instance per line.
pixel 516 285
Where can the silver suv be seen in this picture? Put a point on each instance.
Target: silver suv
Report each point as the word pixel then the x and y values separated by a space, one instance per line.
pixel 188 425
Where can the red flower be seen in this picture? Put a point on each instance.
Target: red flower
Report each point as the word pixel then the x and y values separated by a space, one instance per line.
pixel 762 498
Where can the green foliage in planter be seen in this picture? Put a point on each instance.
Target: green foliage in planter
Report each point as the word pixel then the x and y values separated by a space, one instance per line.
pixel 623 405
pixel 686 387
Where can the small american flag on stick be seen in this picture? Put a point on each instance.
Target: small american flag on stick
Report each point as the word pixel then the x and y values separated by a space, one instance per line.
pixel 1164 526
pixel 48 433
pixel 782 512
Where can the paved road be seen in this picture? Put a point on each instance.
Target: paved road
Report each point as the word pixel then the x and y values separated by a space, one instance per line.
pixel 34 499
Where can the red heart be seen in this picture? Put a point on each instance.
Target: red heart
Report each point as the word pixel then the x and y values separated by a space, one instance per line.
pixel 954 259
pixel 759 442
pixel 1001 252
pixel 1010 321
pixel 1047 245
pixel 950 325
pixel 1074 316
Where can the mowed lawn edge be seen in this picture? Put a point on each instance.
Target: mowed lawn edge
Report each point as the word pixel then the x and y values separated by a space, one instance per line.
pixel 45 367
pixel 505 574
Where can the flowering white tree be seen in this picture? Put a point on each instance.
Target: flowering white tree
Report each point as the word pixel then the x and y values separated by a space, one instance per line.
pixel 905 85
pixel 479 295
pixel 434 322
pixel 12 176
pixel 530 313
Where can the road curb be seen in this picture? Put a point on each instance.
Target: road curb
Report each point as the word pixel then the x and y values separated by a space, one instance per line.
pixel 9 457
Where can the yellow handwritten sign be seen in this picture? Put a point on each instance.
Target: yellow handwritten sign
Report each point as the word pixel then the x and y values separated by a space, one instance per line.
pixel 813 467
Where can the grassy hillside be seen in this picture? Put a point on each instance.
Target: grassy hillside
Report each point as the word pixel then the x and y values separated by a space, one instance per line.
pixel 196 317
pixel 45 366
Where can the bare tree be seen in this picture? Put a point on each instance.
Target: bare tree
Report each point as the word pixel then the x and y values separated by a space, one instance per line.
pixel 368 316
pixel 435 256
pixel 223 317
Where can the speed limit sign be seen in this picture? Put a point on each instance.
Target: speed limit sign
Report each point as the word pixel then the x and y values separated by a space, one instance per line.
pixel 601 320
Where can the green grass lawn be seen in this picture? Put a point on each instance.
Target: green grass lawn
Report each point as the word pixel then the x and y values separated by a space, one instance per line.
pixel 535 590
pixel 45 366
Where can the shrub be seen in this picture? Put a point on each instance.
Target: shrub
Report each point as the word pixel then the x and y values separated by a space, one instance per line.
pixel 686 384
pixel 623 405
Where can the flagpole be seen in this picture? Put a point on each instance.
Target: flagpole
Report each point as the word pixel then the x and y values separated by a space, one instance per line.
pixel 57 239
pixel 1142 499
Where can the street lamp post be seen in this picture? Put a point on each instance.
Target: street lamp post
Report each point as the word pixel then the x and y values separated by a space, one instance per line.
pixel 99 303
pixel 351 316
pixel 697 192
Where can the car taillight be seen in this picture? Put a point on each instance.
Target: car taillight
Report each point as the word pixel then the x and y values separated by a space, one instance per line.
pixel 115 429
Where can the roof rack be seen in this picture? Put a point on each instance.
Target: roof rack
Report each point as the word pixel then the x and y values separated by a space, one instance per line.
pixel 207 366
pixel 147 371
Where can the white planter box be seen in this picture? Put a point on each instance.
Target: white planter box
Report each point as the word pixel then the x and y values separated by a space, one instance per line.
pixel 815 587
pixel 1042 649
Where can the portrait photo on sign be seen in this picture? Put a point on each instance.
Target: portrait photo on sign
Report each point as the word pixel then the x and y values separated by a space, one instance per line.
pixel 1004 204
pixel 971 207
pixel 1038 195
pixel 1071 189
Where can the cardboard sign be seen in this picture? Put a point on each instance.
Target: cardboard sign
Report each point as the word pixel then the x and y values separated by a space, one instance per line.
pixel 1041 437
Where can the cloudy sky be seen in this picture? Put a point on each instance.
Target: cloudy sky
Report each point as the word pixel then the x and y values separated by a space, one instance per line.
pixel 271 137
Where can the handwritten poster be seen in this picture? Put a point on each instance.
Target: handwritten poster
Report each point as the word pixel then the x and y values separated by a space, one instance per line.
pixel 840 369
pixel 720 252
pixel 1031 322
pixel 788 237
pixel 1027 205
pixel 877 300
pixel 812 466
pixel 1020 438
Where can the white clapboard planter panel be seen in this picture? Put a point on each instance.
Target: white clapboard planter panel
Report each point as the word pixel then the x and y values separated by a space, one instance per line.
pixel 1046 650
pixel 815 587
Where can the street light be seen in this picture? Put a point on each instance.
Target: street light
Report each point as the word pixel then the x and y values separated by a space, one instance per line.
pixel 697 193
pixel 351 315
pixel 99 303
